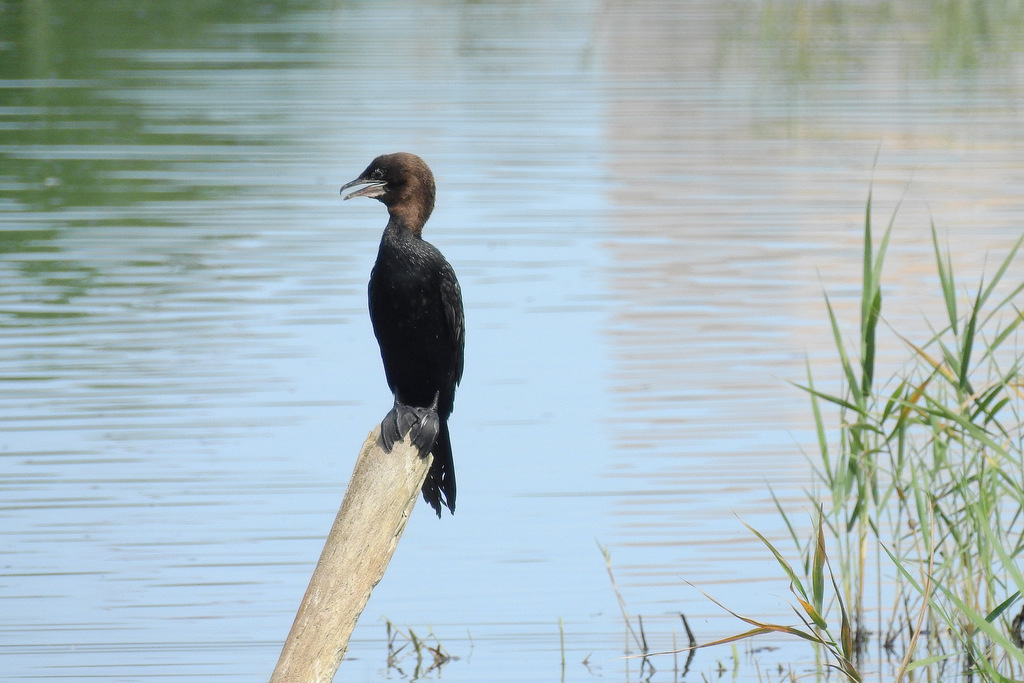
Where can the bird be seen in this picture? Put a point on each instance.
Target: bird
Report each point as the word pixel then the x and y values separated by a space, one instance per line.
pixel 417 315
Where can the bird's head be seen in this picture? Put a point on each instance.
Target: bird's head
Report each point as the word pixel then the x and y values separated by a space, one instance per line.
pixel 402 182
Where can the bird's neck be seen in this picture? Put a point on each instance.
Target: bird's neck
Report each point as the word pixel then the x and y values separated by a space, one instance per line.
pixel 403 226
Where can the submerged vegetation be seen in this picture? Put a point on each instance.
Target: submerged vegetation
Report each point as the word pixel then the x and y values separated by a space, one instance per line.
pixel 414 657
pixel 921 500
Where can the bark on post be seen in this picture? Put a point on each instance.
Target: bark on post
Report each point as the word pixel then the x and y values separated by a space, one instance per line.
pixel 383 490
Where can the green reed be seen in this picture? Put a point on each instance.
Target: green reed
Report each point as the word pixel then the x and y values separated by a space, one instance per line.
pixel 922 480
pixel 926 480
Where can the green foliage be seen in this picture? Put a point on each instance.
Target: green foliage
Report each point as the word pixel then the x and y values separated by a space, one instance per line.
pixel 928 476
pixel 923 482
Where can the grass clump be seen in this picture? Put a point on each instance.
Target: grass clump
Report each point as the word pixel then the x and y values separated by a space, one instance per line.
pixel 928 475
pixel 921 504
pixel 406 649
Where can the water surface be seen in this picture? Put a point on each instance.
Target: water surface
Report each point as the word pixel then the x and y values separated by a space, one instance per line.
pixel 644 204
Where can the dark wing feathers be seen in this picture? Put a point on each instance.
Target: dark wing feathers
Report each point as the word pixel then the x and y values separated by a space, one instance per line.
pixel 451 297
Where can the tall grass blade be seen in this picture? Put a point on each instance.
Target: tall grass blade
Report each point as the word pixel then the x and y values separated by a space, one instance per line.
pixel 982 623
pixel 999 276
pixel 1008 564
pixel 871 298
pixel 870 305
pixel 818 566
pixel 945 268
pixel 819 423
pixel 851 378
pixel 968 344
pixel 785 518
pixel 793 578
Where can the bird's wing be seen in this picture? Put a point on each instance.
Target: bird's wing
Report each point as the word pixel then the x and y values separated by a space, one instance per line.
pixel 451 297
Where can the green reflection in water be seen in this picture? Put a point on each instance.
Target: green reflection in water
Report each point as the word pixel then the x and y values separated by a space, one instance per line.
pixel 76 132
pixel 823 39
pixel 101 130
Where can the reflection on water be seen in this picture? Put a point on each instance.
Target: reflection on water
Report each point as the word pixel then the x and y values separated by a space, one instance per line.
pixel 644 204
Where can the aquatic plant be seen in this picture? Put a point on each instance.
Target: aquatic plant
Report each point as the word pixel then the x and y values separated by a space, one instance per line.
pixel 925 485
pixel 922 491
pixel 406 649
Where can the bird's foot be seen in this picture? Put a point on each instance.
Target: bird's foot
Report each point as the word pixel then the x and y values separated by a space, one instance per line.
pixel 423 424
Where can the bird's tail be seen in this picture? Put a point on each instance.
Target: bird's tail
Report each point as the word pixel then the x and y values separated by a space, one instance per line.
pixel 439 486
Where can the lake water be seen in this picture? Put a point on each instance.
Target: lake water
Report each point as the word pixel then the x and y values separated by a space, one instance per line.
pixel 644 202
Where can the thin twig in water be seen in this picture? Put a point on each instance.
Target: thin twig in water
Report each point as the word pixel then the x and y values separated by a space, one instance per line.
pixel 618 596
pixel 908 655
pixel 561 641
pixel 693 644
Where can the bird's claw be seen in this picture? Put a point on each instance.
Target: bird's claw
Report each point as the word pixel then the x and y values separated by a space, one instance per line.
pixel 423 424
pixel 424 432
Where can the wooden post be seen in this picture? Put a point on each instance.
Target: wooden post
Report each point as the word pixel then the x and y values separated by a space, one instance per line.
pixel 383 490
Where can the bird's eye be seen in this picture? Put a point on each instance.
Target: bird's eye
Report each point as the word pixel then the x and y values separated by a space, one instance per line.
pixel 378 174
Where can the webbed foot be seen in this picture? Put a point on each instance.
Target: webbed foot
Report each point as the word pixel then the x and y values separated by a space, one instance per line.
pixel 423 424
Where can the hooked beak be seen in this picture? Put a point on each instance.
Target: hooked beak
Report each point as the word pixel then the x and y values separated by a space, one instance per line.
pixel 372 188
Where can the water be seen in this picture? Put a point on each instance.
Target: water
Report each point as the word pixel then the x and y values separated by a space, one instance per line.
pixel 644 204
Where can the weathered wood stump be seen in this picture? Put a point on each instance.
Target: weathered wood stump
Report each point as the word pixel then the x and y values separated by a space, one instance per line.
pixel 381 495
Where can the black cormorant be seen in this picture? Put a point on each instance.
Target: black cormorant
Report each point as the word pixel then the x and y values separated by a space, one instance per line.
pixel 416 311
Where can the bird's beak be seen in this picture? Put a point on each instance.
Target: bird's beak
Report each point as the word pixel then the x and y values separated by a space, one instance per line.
pixel 371 188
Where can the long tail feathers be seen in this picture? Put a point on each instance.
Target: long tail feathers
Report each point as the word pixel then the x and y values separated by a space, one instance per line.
pixel 439 486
